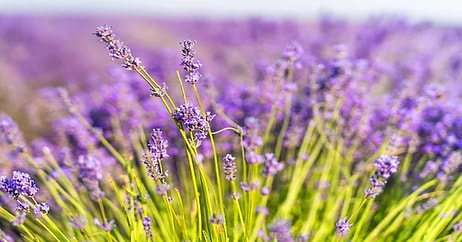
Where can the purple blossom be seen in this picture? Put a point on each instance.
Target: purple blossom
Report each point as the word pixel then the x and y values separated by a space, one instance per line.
pixel 190 65
pixel 280 230
pixel 265 191
pixel 157 151
pixel 147 227
pixel 78 222
pixel 386 165
pixel 272 165
pixel 342 227
pixel 162 189
pixel 10 133
pixel 117 49
pixel 293 51
pixel 194 121
pixel 20 184
pixel 217 219
pixel 229 167
pixel 246 187
pixel 105 226
pixel 91 172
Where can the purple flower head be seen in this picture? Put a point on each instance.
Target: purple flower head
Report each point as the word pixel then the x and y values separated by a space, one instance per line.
pixel 386 165
pixel 246 187
pixel 10 133
pixel 272 165
pixel 91 172
pixel 194 121
pixel 162 189
pixel 457 228
pixel 20 184
pixel 157 151
pixel 217 219
pixel 78 222
pixel 281 231
pixel 106 226
pixel 41 208
pixel 265 191
pixel 19 218
pixel 190 65
pixel 293 51
pixel 147 227
pixel 342 227
pixel 229 167
pixel 117 49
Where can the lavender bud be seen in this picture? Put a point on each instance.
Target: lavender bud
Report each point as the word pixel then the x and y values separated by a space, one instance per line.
pixel 147 227
pixel 217 219
pixel 78 222
pixel 343 227
pixel 229 167
pixel 106 226
pixel 272 166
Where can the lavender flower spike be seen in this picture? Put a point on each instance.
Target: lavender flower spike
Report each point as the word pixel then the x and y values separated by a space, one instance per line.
pixel 117 49
pixel 19 184
pixel 157 151
pixel 343 227
pixel 386 165
pixel 229 167
pixel 189 64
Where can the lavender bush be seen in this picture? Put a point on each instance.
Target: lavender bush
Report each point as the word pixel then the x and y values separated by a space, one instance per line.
pixel 332 139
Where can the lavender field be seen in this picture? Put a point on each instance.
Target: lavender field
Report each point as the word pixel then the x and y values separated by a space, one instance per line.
pixel 147 129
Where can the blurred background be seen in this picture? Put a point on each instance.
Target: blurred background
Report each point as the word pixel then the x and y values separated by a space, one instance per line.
pixel 48 43
pixel 443 11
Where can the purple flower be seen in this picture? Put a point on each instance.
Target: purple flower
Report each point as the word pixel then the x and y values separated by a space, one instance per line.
pixel 10 133
pixel 106 226
pixel 162 189
pixel 78 222
pixel 91 173
pixel 272 166
pixel 229 167
pixel 293 51
pixel 157 151
pixel 20 184
pixel 217 219
pixel 281 231
pixel 386 165
pixel 342 227
pixel 19 218
pixel 41 208
pixel 457 228
pixel 265 191
pixel 190 65
pixel 147 227
pixel 194 121
pixel 117 49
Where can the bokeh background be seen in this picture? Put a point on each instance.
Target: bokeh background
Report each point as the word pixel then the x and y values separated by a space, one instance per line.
pixel 49 43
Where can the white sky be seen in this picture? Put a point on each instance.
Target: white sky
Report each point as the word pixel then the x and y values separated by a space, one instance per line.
pixel 444 11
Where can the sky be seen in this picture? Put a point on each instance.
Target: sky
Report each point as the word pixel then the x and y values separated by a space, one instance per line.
pixel 442 11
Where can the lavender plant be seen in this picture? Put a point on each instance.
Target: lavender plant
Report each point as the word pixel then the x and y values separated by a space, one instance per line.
pixel 309 151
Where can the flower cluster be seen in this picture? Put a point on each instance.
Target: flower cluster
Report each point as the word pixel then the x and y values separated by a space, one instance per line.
pixel 343 227
pixel 193 120
pixel 91 173
pixel 385 165
pixel 22 188
pixel 117 49
pixel 230 167
pixel 157 151
pixel 190 65
pixel 19 184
